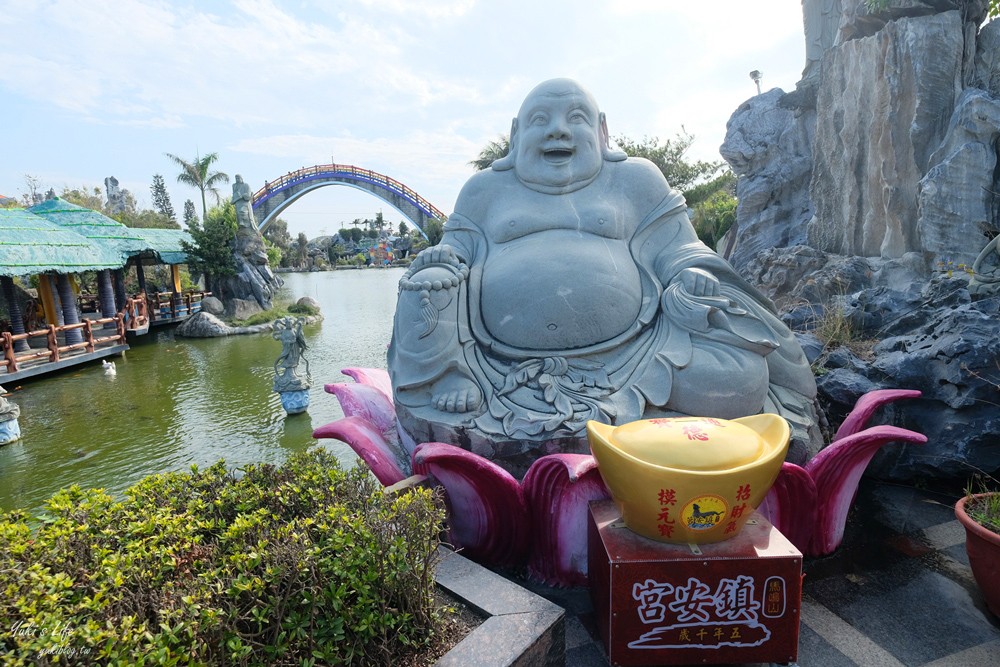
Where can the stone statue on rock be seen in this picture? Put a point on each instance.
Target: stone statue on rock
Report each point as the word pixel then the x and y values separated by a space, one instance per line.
pixel 243 201
pixel 254 282
pixel 570 285
pixel 986 270
pixel 117 200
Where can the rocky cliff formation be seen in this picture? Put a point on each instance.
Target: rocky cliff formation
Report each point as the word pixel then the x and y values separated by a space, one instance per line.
pixel 254 282
pixel 869 191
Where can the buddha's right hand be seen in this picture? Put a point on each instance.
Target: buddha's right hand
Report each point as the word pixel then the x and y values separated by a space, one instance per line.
pixel 439 254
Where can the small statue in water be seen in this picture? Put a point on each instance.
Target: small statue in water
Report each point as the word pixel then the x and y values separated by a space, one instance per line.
pixel 293 389
pixel 10 431
pixel 570 285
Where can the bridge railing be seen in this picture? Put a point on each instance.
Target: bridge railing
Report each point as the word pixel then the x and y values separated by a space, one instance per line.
pixel 320 170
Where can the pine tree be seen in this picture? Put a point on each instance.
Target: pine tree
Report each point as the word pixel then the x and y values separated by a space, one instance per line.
pixel 161 199
pixel 190 216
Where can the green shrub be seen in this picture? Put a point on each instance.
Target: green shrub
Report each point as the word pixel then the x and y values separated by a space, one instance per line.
pixel 263 317
pixel 303 309
pixel 293 565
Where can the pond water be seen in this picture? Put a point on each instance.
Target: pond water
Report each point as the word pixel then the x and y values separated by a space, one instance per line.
pixel 179 401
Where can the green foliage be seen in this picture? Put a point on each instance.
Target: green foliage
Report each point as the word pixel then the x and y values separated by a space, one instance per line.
pixel 352 234
pixel 300 250
pixel 726 182
pixel 190 215
pixel 985 509
pixel 277 233
pixel 295 565
pixel 147 219
pixel 161 199
pixel 212 252
pixel 714 216
pixel 434 231
pixel 492 152
pixel 274 253
pixel 669 159
pixel 303 309
pixel 404 229
pixel 263 317
pixel 86 197
pixel 198 174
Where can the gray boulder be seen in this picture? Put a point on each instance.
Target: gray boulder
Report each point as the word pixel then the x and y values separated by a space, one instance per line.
pixel 241 309
pixel 308 301
pixel 212 306
pixel 767 146
pixel 876 130
pixel 988 58
pixel 254 279
pixel 203 325
pixel 956 197
pixel 945 345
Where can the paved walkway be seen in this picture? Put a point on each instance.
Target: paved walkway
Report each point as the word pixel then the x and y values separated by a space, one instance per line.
pixel 898 593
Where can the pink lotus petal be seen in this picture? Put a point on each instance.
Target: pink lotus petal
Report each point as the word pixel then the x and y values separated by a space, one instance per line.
pixel 790 505
pixel 369 444
pixel 373 377
pixel 836 471
pixel 558 489
pixel 487 514
pixel 365 402
pixel 866 407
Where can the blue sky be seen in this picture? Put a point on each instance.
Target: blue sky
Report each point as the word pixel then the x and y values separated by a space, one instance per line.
pixel 409 88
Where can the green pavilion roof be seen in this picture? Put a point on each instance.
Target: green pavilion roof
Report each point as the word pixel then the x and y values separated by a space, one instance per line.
pixel 164 244
pixel 93 225
pixel 30 244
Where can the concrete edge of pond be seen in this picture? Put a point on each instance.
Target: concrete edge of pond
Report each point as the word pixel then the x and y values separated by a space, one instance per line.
pixel 521 629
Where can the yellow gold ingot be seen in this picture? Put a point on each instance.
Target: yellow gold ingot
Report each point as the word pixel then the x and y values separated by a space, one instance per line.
pixel 689 479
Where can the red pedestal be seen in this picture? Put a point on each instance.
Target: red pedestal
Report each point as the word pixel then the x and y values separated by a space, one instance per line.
pixel 668 604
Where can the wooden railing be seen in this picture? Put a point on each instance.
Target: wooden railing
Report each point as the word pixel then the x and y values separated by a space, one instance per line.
pixel 53 351
pixel 172 305
pixel 135 314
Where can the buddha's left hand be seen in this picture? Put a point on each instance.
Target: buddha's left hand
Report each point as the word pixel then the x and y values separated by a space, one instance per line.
pixel 698 282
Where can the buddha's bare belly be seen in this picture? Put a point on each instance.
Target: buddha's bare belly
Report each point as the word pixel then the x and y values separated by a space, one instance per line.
pixel 559 290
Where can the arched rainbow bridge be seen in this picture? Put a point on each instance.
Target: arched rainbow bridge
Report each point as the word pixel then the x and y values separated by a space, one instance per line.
pixel 277 195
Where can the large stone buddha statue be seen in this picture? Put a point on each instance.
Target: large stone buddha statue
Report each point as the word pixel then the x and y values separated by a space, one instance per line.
pixel 570 285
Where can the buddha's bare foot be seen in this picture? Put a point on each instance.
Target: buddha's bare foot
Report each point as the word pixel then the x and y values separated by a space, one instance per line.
pixel 455 393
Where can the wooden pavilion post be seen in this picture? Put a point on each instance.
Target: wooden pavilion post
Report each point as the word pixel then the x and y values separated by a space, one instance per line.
pixel 49 299
pixel 175 301
pixel 106 295
pixel 140 276
pixel 70 314
pixel 120 296
pixel 16 319
pixel 57 301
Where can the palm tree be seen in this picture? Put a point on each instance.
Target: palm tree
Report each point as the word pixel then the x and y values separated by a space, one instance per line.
pixel 197 174
pixel 492 152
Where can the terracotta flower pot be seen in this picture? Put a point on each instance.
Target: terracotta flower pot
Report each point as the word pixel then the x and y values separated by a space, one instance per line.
pixel 983 547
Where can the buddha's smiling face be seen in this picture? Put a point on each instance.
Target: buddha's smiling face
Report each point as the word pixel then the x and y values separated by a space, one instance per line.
pixel 558 137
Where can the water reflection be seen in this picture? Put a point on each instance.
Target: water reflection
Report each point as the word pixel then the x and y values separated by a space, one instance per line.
pixel 176 401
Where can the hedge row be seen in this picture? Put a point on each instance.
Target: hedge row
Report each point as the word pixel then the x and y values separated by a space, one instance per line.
pixel 293 565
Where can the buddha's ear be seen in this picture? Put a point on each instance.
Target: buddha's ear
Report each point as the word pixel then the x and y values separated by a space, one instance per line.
pixel 610 152
pixel 507 162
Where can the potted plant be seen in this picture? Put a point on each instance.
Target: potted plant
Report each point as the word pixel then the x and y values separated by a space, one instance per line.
pixel 979 513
